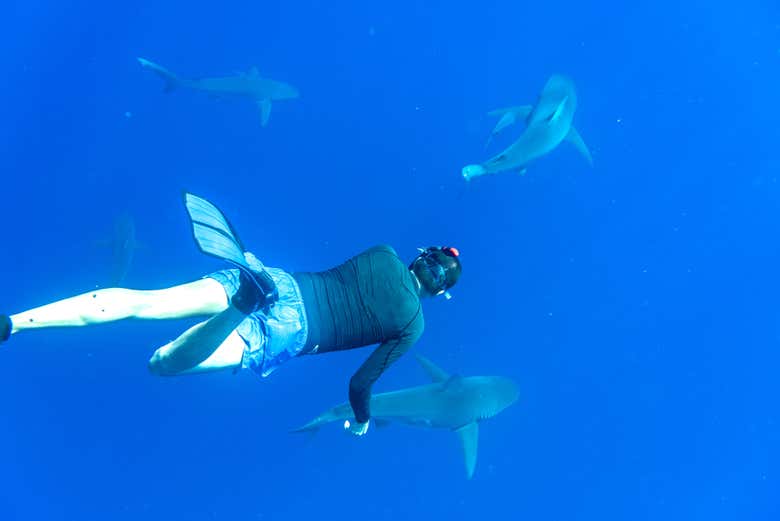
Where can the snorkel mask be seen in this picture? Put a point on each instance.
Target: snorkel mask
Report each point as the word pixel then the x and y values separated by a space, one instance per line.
pixel 440 278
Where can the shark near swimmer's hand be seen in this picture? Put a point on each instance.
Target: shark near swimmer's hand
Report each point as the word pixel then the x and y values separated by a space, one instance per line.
pixel 451 402
pixel 547 123
pixel 247 85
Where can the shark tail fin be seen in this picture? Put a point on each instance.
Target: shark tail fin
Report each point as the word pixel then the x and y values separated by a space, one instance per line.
pixel 311 427
pixel 171 80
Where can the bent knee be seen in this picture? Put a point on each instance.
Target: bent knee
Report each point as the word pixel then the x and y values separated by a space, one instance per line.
pixel 158 365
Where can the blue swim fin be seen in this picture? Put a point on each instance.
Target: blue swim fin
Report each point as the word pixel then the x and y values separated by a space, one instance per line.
pixel 212 231
pixel 216 237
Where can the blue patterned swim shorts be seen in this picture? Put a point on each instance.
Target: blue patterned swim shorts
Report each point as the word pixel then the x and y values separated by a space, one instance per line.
pixel 273 338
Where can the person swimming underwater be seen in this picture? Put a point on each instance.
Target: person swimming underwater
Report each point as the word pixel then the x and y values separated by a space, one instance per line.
pixel 262 316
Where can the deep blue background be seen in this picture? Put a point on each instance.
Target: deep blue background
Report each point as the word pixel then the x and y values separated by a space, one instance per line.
pixel 635 303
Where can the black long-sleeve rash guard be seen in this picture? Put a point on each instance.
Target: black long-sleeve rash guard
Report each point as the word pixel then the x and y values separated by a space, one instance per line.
pixel 372 298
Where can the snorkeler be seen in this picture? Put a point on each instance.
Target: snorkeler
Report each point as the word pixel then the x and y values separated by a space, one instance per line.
pixel 262 316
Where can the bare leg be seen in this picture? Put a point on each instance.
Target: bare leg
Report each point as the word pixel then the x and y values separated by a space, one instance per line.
pixel 227 356
pixel 212 344
pixel 202 297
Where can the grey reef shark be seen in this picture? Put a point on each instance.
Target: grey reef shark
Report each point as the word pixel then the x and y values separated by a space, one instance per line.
pixel 123 247
pixel 547 123
pixel 249 85
pixel 454 403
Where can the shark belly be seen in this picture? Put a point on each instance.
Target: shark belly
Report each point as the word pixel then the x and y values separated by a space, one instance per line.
pixel 536 142
pixel 516 156
pixel 433 408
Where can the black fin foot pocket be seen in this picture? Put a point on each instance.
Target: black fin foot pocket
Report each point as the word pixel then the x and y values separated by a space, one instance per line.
pixel 257 290
pixel 5 327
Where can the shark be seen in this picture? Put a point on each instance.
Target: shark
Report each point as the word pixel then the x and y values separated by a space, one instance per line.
pixel 451 402
pixel 262 91
pixel 548 122
pixel 121 244
pixel 123 247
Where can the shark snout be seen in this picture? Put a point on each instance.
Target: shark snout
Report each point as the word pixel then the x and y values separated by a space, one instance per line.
pixel 288 92
pixel 504 392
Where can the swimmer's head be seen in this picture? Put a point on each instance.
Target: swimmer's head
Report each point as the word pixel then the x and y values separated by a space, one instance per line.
pixel 437 268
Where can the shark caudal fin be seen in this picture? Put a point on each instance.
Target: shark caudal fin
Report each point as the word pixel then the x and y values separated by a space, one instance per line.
pixel 312 427
pixel 171 80
pixel 469 439
pixel 575 139
pixel 338 413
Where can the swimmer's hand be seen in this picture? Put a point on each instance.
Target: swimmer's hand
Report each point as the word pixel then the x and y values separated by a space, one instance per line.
pixel 357 428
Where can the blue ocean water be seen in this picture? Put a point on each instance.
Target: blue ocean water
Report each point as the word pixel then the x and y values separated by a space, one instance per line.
pixel 633 302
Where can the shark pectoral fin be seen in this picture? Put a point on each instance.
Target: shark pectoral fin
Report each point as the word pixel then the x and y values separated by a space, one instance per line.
pixel 469 439
pixel 265 110
pixel 509 116
pixel 506 120
pixel 575 139
pixel 519 112
pixel 435 373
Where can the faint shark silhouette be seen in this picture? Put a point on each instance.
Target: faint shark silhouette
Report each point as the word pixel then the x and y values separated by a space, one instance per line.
pixel 451 402
pixel 123 247
pixel 548 122
pixel 247 85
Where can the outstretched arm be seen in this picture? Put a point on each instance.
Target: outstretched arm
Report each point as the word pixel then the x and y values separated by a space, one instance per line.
pixel 362 381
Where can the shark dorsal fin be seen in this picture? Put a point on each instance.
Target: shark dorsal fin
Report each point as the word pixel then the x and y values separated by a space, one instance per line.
pixel 253 72
pixel 469 439
pixel 452 383
pixel 435 373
